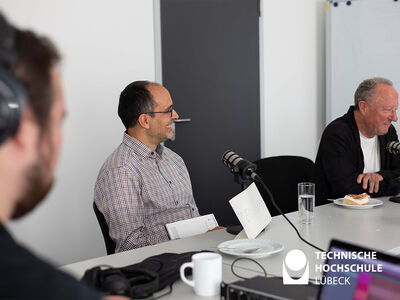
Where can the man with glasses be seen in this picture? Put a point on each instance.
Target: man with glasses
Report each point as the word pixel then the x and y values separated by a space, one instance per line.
pixel 143 185
pixel 352 154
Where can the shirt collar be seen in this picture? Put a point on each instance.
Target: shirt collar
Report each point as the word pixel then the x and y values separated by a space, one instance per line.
pixel 142 149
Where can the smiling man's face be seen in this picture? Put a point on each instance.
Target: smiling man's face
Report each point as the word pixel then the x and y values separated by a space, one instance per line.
pixel 161 123
pixel 381 110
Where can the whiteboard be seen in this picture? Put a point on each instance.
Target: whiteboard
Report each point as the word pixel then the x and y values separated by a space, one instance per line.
pixel 362 41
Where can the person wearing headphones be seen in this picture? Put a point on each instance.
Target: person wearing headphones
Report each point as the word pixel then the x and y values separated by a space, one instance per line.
pixel 31 114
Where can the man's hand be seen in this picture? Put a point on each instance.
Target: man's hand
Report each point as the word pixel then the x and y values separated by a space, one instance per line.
pixel 371 180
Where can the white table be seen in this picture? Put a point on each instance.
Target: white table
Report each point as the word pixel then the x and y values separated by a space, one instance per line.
pixel 207 241
pixel 374 228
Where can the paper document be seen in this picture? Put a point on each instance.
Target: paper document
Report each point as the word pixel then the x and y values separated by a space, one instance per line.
pixel 251 211
pixel 190 227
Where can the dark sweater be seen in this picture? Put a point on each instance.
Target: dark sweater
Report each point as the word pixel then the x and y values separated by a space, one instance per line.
pixel 24 276
pixel 340 159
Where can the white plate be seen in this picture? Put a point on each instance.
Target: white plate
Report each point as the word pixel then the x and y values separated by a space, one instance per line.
pixel 258 248
pixel 371 203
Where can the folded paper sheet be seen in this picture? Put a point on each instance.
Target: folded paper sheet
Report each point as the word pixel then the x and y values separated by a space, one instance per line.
pixel 251 211
pixel 190 227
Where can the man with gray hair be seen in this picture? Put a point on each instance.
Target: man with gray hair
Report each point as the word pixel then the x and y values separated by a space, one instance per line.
pixel 352 154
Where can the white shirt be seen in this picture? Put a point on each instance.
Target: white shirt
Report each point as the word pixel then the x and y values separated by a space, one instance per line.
pixel 370 149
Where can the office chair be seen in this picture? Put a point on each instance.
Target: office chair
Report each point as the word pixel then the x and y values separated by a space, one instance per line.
pixel 110 244
pixel 282 174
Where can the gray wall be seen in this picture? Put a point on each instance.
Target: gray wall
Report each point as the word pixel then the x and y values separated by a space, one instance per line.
pixel 103 50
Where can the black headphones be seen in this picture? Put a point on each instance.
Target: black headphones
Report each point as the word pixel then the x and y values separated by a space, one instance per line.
pixel 12 93
pixel 128 281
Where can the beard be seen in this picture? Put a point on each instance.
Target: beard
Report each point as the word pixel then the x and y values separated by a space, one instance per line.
pixel 36 188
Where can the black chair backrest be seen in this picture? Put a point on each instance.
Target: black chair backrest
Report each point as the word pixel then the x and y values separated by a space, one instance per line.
pixel 110 244
pixel 282 174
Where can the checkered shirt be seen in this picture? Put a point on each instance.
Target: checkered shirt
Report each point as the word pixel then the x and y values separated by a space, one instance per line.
pixel 139 190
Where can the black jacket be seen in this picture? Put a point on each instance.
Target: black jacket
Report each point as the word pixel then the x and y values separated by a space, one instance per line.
pixel 24 276
pixel 340 159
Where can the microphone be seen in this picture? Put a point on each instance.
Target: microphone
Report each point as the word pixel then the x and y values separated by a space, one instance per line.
pixel 393 148
pixel 245 169
pixel 238 164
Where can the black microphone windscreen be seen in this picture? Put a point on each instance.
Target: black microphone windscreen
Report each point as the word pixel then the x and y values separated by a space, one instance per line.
pixel 231 159
pixel 238 165
pixel 393 148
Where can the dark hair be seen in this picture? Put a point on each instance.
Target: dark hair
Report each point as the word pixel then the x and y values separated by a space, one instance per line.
pixel 36 56
pixel 134 100
pixel 366 89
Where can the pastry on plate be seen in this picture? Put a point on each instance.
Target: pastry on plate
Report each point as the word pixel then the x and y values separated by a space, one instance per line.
pixel 356 199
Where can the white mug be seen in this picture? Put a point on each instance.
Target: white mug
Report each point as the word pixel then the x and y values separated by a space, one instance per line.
pixel 207 273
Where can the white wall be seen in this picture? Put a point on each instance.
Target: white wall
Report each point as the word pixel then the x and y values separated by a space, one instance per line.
pixel 105 45
pixel 293 69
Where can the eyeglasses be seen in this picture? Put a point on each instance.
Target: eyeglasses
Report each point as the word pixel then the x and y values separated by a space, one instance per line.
pixel 169 111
